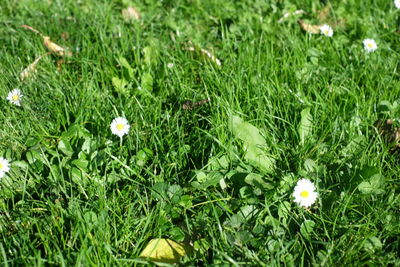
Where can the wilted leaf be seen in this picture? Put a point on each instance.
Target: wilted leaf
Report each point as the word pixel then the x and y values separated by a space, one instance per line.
pixel 164 250
pixel 189 105
pixel 288 14
pixel 309 27
pixel 389 133
pixel 323 14
pixel 211 56
pixel 31 69
pixel 55 48
pixel 306 124
pixel 130 14
pixel 59 64
pixel 205 53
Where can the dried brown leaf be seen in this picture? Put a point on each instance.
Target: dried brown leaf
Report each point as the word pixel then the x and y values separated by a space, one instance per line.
pixel 65 36
pixel 289 14
pixel 31 29
pixel 59 64
pixel 211 56
pixel 31 69
pixel 189 105
pixel 389 133
pixel 309 27
pixel 55 48
pixel 324 13
pixel 130 14
pixel 206 53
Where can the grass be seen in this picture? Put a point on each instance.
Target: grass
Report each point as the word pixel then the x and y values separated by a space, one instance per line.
pixel 75 195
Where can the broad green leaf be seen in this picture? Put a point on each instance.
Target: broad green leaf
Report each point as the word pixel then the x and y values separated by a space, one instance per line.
pixel 164 250
pixel 305 126
pixel 201 176
pixel 20 164
pixel 373 244
pixel 258 181
pixel 373 185
pixel 119 85
pixel 248 211
pixel 81 163
pixel 258 158
pixel 218 163
pixel 384 107
pixel 205 180
pixel 246 132
pixel 147 81
pixel 185 201
pixel 254 144
pixel 284 209
pixel 151 54
pixel 174 193
pixel 77 176
pixel 310 165
pixel 65 147
pixel 306 228
pixel 354 147
pixel 201 245
pixel 124 63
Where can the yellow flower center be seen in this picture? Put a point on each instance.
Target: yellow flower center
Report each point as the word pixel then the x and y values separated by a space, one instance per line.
pixel 120 126
pixel 15 97
pixel 1 166
pixel 304 194
pixel 370 45
pixel 326 32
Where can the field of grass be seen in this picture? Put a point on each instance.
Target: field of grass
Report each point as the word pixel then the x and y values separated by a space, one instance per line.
pixel 230 103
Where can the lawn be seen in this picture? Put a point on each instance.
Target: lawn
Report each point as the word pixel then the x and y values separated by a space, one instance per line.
pixel 231 109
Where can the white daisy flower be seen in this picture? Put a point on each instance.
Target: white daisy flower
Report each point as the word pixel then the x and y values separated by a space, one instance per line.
pixel 15 97
pixel 304 193
pixel 397 3
pixel 370 45
pixel 326 30
pixel 120 126
pixel 4 167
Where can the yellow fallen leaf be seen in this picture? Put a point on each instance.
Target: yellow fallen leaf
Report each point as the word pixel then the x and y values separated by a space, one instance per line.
pixel 164 250
pixel 130 14
pixel 309 27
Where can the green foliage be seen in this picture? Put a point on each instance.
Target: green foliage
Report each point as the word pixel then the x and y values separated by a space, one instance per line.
pixel 217 175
